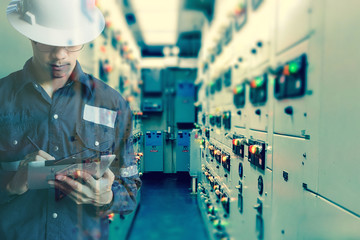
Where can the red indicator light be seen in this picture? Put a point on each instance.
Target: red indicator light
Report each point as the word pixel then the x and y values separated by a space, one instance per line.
pixel 111 216
pixel 236 142
pixel 286 71
pixel 258 82
pixel 253 84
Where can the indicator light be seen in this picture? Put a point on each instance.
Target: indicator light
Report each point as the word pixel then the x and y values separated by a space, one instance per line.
pixel 257 82
pixel 224 158
pixel 238 89
pixel 216 222
pixel 294 67
pixel 226 115
pixel 239 9
pixel 255 149
pixel 111 216
pixel 286 71
pixel 224 199
pixel 253 84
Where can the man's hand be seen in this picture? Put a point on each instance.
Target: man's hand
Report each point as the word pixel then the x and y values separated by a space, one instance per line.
pixel 18 184
pixel 86 189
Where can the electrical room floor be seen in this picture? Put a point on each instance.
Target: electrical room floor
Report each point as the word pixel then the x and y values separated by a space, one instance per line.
pixel 167 210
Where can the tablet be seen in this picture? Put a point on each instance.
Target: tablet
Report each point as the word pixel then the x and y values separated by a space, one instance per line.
pixel 40 172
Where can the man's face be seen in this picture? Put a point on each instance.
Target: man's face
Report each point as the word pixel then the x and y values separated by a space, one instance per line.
pixel 54 62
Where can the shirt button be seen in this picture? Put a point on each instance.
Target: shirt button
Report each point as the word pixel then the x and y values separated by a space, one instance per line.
pixel 54 215
pixel 56 116
pixel 15 142
pixel 56 148
pixel 96 143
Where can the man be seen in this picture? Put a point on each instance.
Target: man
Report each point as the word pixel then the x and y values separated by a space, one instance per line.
pixel 51 110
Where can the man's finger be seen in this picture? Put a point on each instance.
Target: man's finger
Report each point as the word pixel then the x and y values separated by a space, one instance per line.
pixel 109 175
pixel 73 184
pixel 88 178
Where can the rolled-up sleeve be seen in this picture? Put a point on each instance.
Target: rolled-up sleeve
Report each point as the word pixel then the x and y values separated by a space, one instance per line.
pixel 127 181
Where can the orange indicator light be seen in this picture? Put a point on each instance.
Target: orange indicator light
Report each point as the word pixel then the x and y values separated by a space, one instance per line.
pixel 253 84
pixel 286 71
pixel 253 149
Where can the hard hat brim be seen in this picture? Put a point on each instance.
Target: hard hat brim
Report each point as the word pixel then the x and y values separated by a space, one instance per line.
pixel 81 32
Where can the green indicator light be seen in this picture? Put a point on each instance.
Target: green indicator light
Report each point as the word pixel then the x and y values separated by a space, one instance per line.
pixel 239 89
pixel 210 116
pixel 294 67
pixel 259 81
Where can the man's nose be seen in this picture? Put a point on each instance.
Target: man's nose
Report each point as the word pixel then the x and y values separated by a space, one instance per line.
pixel 59 52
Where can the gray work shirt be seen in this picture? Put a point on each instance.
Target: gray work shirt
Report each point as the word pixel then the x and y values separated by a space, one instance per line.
pixel 85 117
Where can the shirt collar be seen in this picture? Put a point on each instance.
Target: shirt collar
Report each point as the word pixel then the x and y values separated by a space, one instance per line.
pixel 28 76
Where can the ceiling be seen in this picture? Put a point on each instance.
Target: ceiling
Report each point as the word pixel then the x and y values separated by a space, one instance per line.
pixel 159 23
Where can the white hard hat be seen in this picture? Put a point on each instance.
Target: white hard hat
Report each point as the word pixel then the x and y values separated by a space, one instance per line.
pixel 56 22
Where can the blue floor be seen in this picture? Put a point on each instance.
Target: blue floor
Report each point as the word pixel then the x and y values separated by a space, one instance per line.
pixel 167 210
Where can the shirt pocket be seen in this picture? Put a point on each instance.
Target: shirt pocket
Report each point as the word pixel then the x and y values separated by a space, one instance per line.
pixel 95 138
pixel 13 145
